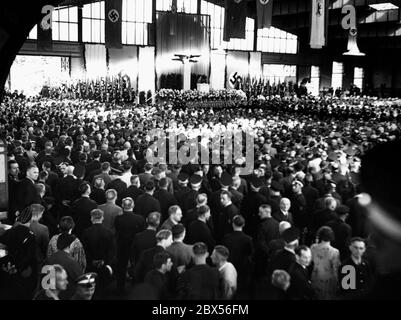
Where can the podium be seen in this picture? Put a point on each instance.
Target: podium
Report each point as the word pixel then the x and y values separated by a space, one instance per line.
pixel 203 87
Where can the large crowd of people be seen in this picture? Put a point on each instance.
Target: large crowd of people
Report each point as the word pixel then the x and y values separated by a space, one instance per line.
pixel 90 217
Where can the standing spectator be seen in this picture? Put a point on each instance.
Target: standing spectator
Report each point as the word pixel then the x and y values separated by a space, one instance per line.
pixel 199 230
pixel 200 282
pixel 175 216
pixel 157 277
pixel 26 191
pixel 326 261
pixel 301 286
pixel 127 226
pixel 181 253
pixel 227 271
pixel 133 191
pixel 145 239
pixel 66 225
pixel 110 209
pixel 146 203
pixel 82 208
pixel 342 231
pixel 165 198
pixel 98 193
pixel 40 231
pixel 61 284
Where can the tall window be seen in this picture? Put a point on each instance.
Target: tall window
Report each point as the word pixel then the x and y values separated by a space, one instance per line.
pixel 65 24
pixel 136 14
pixel 276 73
pixel 337 75
pixel 217 29
pixel 93 22
pixel 358 77
pixel 315 80
pixel 277 41
pixel 186 6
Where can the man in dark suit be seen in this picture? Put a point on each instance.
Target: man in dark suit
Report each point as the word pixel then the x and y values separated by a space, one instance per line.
pixel 181 253
pixel 227 213
pixel 145 239
pixel 189 200
pixel 251 203
pixel 82 208
pixel 216 206
pixel 175 216
pixel 300 284
pixel 100 250
pixel 267 231
pixel 13 180
pixel 165 198
pixel 182 188
pixel 26 191
pixel 158 276
pixel 146 203
pixel 67 190
pixel 342 231
pixel 98 193
pixel 200 282
pixel 41 232
pixel 133 191
pixel 199 231
pixel 240 246
pixel 283 213
pixel 120 186
pixel 286 257
pixel 322 217
pixel 94 165
pixel 127 226
pixel 236 195
pixel 147 175
pixel 145 264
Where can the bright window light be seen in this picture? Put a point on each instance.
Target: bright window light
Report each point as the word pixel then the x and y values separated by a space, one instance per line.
pixel 383 6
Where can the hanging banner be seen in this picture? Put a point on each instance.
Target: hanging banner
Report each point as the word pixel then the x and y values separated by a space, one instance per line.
pixel 113 12
pixel 318 24
pixel 235 19
pixel 44 33
pixel 264 10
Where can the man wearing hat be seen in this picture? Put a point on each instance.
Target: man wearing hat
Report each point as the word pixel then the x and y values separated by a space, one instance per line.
pixel 286 257
pixel 63 257
pixel 20 264
pixel 100 248
pixel 85 286
pixel 147 203
pixel 182 188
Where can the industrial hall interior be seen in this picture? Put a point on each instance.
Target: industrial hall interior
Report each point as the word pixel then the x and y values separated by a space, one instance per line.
pixel 208 150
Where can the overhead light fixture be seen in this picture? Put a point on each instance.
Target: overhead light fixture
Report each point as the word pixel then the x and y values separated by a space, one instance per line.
pixel 383 6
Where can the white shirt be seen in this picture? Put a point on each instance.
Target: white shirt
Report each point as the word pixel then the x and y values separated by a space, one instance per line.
pixel 229 275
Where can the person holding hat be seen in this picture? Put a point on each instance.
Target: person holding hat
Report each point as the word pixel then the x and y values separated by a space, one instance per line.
pixel 21 263
pixel 63 257
pixel 85 287
pixel 201 282
pixel 147 203
pixel 100 248
pixel 165 198
pixel 181 253
pixel 127 226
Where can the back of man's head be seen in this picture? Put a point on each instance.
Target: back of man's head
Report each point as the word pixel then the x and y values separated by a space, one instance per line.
pixel 153 219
